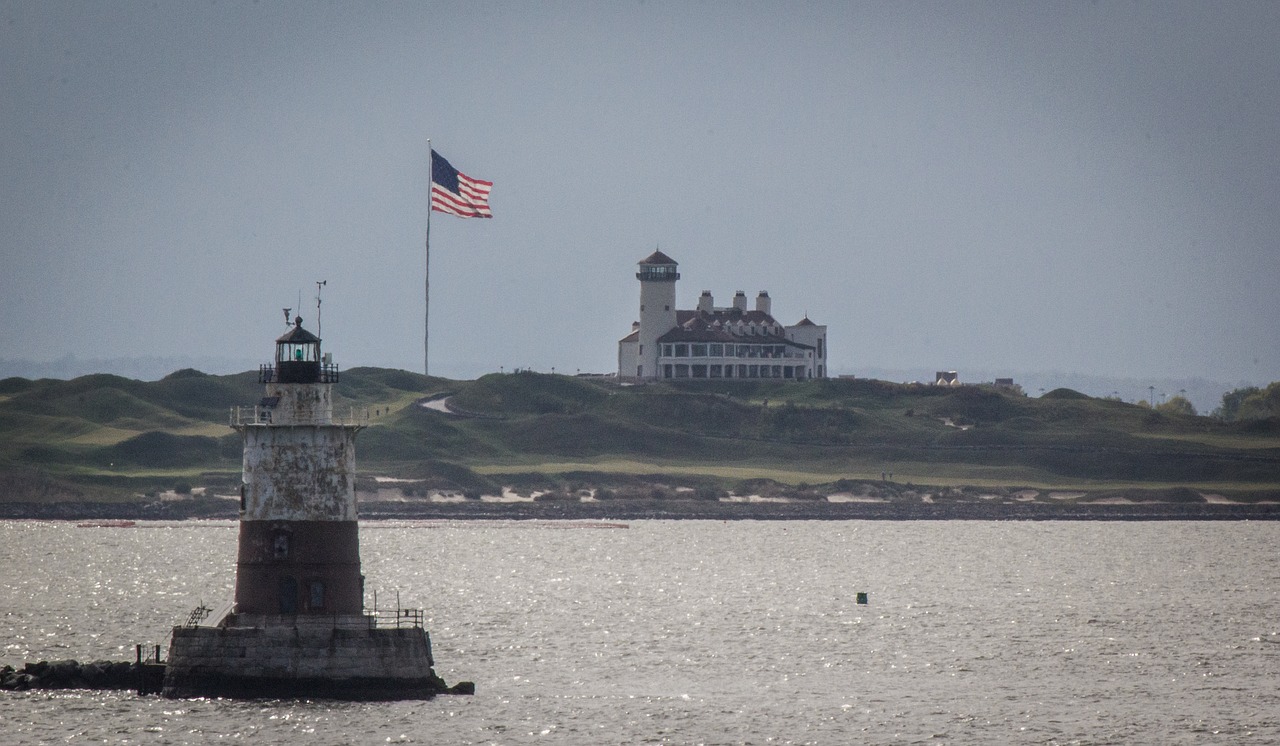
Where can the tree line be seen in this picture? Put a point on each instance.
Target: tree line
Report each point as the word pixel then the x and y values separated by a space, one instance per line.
pixel 1250 403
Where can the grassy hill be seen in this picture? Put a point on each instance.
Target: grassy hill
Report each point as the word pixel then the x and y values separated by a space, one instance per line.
pixel 106 437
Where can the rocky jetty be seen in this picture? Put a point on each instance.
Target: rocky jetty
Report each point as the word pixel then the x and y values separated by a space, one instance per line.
pixel 72 674
pixel 147 678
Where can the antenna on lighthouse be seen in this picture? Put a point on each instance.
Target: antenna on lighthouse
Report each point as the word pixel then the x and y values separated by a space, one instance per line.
pixel 319 284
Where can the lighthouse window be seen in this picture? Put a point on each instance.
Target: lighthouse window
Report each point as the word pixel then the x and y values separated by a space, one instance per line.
pixel 288 595
pixel 280 546
pixel 317 594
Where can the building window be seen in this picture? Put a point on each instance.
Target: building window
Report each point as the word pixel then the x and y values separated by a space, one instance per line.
pixel 698 351
pixel 666 371
pixel 716 350
pixel 699 371
pixel 641 349
pixel 682 350
pixel 819 347
pixel 639 371
pixel 666 350
pixel 316 594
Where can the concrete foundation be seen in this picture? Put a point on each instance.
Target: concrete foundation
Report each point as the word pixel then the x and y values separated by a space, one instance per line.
pixel 308 660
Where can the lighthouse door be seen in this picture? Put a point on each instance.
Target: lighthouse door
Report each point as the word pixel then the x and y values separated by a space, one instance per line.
pixel 288 595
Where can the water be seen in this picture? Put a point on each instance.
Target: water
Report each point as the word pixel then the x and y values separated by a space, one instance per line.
pixel 707 632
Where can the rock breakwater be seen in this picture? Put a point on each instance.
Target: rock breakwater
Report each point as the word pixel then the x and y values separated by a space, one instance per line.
pixel 72 674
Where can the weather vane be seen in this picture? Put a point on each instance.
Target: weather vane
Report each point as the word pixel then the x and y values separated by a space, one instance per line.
pixel 319 284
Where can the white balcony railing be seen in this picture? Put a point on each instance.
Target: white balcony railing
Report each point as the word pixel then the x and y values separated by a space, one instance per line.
pixel 260 415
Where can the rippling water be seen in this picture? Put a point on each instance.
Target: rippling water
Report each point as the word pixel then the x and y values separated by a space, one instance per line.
pixel 708 632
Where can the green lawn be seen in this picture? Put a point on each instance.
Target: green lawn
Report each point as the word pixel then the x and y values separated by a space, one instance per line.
pixel 105 430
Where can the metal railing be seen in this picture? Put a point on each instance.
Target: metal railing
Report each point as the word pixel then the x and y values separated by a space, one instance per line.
pixel 198 614
pixel 397 618
pixel 203 616
pixel 328 373
pixel 260 415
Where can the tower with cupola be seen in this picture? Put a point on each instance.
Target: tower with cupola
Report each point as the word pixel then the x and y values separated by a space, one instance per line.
pixel 657 275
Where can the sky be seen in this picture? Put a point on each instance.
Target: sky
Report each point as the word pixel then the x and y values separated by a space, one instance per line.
pixel 1071 186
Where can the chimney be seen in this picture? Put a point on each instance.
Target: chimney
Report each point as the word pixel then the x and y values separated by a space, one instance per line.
pixel 740 301
pixel 705 303
pixel 763 304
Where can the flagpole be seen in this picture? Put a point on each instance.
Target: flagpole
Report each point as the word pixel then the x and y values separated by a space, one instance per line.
pixel 426 306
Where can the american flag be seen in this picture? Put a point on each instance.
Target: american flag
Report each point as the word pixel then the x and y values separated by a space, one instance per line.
pixel 456 193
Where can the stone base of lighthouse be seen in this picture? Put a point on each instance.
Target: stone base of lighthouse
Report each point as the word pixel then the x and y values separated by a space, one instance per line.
pixel 303 657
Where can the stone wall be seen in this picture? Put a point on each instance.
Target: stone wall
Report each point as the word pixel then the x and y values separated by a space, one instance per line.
pixel 282 661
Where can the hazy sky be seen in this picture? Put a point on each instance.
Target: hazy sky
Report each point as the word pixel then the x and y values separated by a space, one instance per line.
pixel 1089 187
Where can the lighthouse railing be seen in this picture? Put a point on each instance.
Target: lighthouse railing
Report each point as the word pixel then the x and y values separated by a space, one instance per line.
pixel 260 415
pixel 397 618
pixel 270 374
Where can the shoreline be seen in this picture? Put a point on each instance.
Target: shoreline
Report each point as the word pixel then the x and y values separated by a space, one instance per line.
pixel 630 510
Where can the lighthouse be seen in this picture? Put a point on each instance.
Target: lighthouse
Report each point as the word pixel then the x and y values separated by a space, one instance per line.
pixel 657 275
pixel 298 626
pixel 299 545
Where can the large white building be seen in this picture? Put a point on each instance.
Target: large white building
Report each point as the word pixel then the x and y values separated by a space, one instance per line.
pixel 714 342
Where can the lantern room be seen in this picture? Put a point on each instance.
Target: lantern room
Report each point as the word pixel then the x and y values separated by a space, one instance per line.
pixel 298 356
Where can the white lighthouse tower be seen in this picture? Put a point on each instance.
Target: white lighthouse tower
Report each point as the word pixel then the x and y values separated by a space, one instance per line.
pixel 657 275
pixel 298 626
